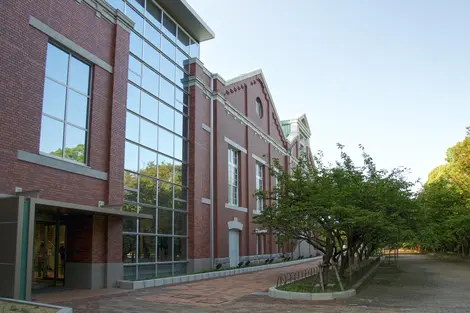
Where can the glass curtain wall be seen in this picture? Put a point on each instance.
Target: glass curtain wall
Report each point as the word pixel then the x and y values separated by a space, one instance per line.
pixel 156 152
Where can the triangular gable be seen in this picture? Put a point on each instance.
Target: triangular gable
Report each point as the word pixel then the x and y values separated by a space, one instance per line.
pixel 258 74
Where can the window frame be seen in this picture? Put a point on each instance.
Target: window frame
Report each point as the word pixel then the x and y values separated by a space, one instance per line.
pixel 64 121
pixel 234 168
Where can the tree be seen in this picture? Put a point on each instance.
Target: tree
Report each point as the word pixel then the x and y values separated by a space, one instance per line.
pixel 76 153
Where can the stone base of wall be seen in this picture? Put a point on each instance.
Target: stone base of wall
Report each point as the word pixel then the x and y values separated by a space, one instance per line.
pixel 254 259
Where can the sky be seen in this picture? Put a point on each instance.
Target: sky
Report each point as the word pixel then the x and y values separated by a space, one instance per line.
pixel 392 75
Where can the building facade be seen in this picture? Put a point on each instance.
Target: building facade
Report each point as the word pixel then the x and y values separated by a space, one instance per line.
pixel 122 156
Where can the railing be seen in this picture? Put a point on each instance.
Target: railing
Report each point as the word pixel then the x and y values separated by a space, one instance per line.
pixel 287 278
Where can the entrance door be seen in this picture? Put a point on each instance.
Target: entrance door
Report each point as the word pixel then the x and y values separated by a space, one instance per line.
pixel 49 255
pixel 234 246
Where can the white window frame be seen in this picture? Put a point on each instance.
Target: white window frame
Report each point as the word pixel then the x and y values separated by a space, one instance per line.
pixel 233 171
pixel 259 185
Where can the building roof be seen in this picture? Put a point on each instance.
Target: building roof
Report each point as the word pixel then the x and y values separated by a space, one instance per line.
pixel 187 17
pixel 302 120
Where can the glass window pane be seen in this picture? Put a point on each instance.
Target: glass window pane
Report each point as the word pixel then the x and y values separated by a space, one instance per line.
pixel 179 123
pixel 149 107
pixel 131 207
pixel 165 221
pixel 180 148
pixel 133 98
pixel 150 80
pixel 166 116
pixel 129 252
pixel 168 69
pixel 169 27
pixel 79 77
pixel 180 223
pixel 52 133
pixel 132 127
pixel 136 44
pixel 180 249
pixel 148 134
pixel 194 49
pixel 131 157
pixel 168 48
pixel 129 224
pixel 118 4
pixel 165 195
pixel 152 35
pixel 147 190
pixel 54 99
pixel 130 272
pixel 151 56
pixel 180 173
pixel 180 78
pixel 77 109
pixel 147 271
pixel 167 92
pixel 57 63
pixel 130 195
pixel 138 20
pixel 164 270
pixel 130 181
pixel 148 162
pixel 180 58
pixel 180 205
pixel 165 168
pixel 180 193
pixel 75 140
pixel 138 4
pixel 147 245
pixel 165 142
pixel 183 40
pixel 154 14
pixel 147 225
pixel 180 268
pixel 135 70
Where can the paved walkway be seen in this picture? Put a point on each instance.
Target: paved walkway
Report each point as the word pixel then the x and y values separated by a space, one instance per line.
pixel 420 284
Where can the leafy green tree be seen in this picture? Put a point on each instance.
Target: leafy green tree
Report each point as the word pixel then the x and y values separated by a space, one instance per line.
pixel 76 153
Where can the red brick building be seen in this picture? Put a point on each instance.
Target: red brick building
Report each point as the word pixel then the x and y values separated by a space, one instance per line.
pixel 121 156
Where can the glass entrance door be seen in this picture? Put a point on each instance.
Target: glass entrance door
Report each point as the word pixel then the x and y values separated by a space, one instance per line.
pixel 49 255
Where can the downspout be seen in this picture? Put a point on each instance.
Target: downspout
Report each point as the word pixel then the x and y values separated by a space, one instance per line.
pixel 211 181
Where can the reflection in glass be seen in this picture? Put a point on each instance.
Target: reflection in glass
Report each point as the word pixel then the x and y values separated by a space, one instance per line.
pixel 146 249
pixel 168 69
pixel 168 48
pixel 169 27
pixel 152 35
pixel 165 219
pixel 138 20
pixel 135 70
pixel 131 157
pixel 147 271
pixel 148 162
pixel 180 205
pixel 52 132
pixel 183 40
pixel 133 98
pixel 75 140
pixel 138 4
pixel 165 195
pixel 148 134
pixel 150 80
pixel 118 4
pixel 154 14
pixel 129 248
pixel 79 75
pixel 130 181
pixel 132 127
pixel 136 44
pixel 164 270
pixel 180 58
pixel 54 99
pixel 166 116
pixel 164 250
pixel 147 190
pixel 77 109
pixel 149 107
pixel 165 142
pixel 128 207
pixel 129 224
pixel 180 173
pixel 180 192
pixel 147 225
pixel 180 224
pixel 130 272
pixel 151 56
pixel 180 249
pixel 167 92
pixel 165 168
pixel 57 63
pixel 194 51
pixel 179 123
pixel 130 195
pixel 180 268
pixel 180 78
pixel 180 148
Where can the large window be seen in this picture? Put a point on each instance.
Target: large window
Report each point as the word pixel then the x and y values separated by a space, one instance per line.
pixel 64 127
pixel 233 176
pixel 259 185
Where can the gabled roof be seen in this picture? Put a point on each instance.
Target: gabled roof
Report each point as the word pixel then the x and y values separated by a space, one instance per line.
pixel 259 72
pixel 302 119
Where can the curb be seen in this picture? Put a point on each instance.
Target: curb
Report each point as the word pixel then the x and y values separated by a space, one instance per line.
pixel 140 284
pixel 60 309
pixel 290 295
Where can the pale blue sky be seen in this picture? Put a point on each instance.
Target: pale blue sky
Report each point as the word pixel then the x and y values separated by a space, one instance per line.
pixel 393 75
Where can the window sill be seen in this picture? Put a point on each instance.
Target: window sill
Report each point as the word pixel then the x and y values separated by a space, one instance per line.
pixel 236 208
pixel 256 212
pixel 60 164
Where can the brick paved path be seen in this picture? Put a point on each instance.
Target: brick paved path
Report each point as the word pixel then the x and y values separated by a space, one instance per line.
pixel 421 284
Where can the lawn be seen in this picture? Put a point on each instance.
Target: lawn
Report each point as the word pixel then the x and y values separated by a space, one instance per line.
pixel 12 307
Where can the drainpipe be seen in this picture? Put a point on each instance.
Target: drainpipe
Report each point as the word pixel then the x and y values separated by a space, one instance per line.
pixel 211 181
